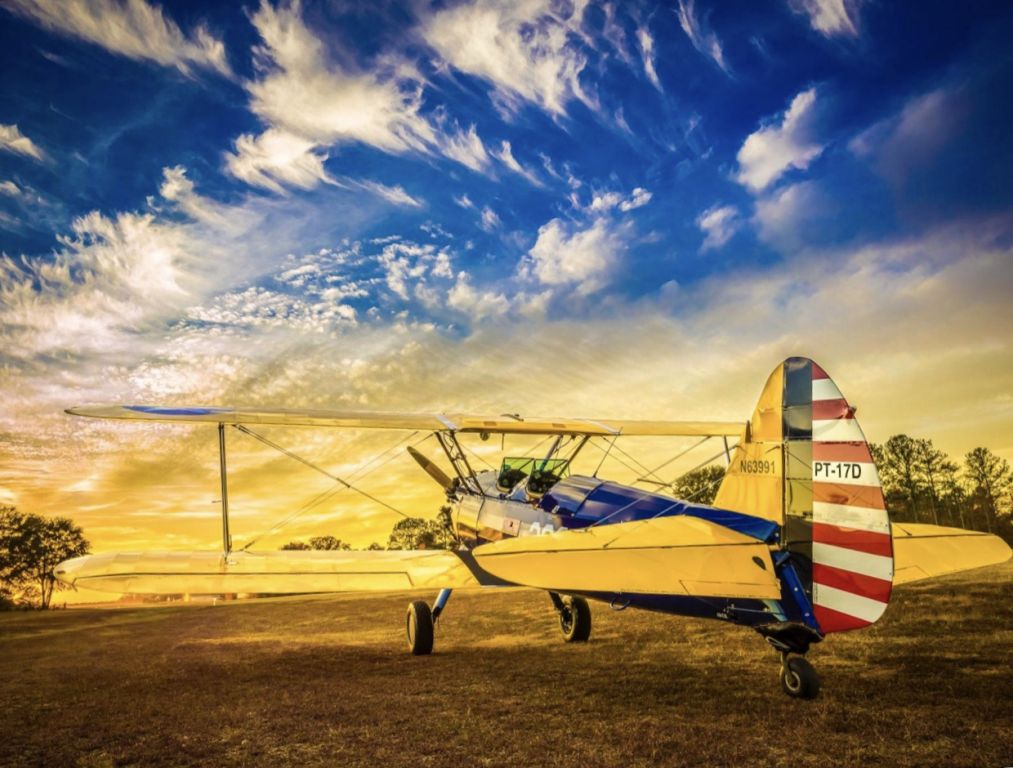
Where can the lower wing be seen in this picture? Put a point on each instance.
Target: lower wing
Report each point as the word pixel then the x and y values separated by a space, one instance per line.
pixel 662 556
pixel 283 572
pixel 924 551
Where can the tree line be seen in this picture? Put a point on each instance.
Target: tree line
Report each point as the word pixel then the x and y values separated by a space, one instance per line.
pixel 922 484
pixel 407 533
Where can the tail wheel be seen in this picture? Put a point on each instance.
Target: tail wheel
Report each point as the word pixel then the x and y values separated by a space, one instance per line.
pixel 575 620
pixel 799 678
pixel 419 625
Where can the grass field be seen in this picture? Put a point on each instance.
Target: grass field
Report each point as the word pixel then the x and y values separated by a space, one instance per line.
pixel 327 681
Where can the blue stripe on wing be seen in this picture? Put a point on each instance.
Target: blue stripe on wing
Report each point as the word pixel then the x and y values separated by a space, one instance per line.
pixel 156 410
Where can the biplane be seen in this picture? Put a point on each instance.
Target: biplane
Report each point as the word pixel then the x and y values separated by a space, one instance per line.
pixel 797 545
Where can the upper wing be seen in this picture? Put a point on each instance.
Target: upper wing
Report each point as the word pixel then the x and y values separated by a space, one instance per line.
pixel 675 555
pixel 423 421
pixel 282 572
pixel 924 551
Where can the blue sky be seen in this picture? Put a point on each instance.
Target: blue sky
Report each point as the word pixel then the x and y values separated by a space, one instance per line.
pixel 394 205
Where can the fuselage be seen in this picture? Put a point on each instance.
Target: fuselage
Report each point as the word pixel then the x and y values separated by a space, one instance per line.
pixel 580 502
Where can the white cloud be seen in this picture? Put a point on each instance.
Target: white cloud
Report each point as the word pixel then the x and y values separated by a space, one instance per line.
pixel 134 28
pixel 601 202
pixel 718 224
pixel 310 101
pixel 464 201
pixel 646 44
pixel 527 50
pixel 638 199
pixel 442 268
pixel 773 149
pixel 489 219
pixel 506 156
pixel 406 262
pixel 566 255
pixel 10 189
pixel 830 17
pixel 300 91
pixel 477 304
pixel 276 159
pixel 258 307
pixel 12 140
pixel 703 39
pixel 109 277
pixel 115 281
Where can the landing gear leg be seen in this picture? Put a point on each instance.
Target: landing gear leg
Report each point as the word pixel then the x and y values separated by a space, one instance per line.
pixel 798 677
pixel 441 603
pixel 574 617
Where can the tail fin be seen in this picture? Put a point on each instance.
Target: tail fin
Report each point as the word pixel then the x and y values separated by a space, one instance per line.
pixel 805 464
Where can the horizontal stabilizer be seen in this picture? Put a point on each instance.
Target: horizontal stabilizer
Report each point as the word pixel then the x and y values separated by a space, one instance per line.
pixel 276 573
pixel 924 551
pixel 661 556
pixel 435 422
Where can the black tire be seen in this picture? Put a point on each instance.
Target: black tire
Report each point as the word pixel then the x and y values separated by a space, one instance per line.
pixel 799 679
pixel 419 626
pixel 575 620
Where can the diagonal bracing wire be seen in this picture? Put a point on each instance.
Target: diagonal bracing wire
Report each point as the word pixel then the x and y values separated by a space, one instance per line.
pixel 330 493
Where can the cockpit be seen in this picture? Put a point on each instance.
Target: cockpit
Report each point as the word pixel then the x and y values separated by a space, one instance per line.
pixel 527 478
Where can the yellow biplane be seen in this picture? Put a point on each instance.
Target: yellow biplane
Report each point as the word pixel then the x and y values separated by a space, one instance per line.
pixel 797 545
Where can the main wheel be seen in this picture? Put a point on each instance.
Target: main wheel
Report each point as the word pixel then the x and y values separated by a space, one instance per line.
pixel 575 620
pixel 799 679
pixel 419 625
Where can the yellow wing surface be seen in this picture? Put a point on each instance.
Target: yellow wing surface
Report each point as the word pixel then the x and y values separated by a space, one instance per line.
pixel 436 422
pixel 284 572
pixel 662 556
pixel 924 551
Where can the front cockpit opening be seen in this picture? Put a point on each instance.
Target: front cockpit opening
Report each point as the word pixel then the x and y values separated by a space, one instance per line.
pixel 529 478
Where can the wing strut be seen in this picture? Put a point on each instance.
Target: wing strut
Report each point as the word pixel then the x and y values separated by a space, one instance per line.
pixel 448 441
pixel 226 538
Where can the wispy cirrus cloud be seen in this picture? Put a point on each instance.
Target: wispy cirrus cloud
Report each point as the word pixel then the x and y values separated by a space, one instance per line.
pixel 13 140
pixel 529 52
pixel 830 17
pixel 311 102
pixel 277 159
pixel 505 155
pixel 700 34
pixel 136 29
pixel 645 42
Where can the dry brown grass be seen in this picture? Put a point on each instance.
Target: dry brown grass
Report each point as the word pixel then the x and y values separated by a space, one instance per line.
pixel 327 681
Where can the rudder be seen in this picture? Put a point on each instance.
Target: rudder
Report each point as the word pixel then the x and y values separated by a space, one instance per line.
pixel 805 463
